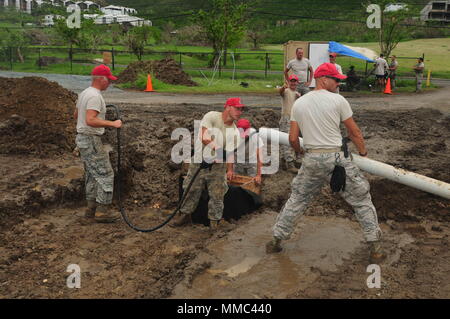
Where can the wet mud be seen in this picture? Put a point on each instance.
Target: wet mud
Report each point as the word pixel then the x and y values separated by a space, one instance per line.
pixel 42 229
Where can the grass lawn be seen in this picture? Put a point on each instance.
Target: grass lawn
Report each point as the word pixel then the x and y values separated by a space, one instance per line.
pixel 209 84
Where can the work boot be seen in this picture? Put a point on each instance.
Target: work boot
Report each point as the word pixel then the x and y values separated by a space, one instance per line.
pixel 274 246
pixel 181 220
pixel 376 253
pixel 214 225
pixel 291 167
pixel 90 210
pixel 104 214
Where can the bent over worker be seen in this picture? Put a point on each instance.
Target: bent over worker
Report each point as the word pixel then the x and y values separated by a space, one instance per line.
pixel 99 175
pixel 219 134
pixel 318 115
pixel 249 154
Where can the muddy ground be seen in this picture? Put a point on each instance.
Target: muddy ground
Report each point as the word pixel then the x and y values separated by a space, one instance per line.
pixel 41 208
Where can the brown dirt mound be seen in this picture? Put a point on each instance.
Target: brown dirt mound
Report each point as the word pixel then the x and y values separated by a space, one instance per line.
pixel 166 70
pixel 36 117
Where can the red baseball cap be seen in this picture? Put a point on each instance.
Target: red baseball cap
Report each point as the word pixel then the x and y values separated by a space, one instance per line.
pixel 293 77
pixel 103 70
pixel 333 54
pixel 328 69
pixel 234 101
pixel 244 124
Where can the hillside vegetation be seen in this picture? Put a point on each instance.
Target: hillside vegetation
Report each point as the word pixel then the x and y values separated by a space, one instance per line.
pixel 310 20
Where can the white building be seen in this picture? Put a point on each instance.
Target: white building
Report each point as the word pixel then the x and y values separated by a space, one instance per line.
pixel 392 7
pixel 436 11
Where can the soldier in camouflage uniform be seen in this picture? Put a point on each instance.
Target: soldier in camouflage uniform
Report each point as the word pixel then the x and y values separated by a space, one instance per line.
pixel 289 94
pixel 99 175
pixel 318 116
pixel 219 134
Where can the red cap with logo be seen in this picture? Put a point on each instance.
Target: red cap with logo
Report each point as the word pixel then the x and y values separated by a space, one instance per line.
pixel 293 77
pixel 234 101
pixel 103 70
pixel 244 125
pixel 328 69
pixel 333 54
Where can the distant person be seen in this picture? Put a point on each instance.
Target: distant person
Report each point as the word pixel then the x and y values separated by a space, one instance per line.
pixel 318 116
pixel 98 173
pixel 303 69
pixel 352 79
pixel 393 65
pixel 288 94
pixel 418 69
pixel 332 57
pixel 381 68
pixel 249 159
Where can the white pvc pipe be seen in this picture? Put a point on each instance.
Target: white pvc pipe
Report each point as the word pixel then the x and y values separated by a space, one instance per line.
pixel 398 175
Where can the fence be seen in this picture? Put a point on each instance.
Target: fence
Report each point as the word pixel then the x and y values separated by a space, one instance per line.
pixel 240 64
pixel 80 61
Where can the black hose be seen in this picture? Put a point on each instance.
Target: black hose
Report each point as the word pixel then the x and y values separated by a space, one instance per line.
pixel 119 187
pixel 119 184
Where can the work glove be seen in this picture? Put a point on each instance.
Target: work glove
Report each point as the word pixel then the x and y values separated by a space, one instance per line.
pixel 205 165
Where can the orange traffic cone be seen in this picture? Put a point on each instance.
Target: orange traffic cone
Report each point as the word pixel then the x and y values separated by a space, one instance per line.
pixel 388 90
pixel 149 84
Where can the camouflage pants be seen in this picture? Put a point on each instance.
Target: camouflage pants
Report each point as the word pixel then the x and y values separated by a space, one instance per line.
pixel 246 169
pixel 215 180
pixel 419 79
pixel 315 171
pixel 286 151
pixel 98 173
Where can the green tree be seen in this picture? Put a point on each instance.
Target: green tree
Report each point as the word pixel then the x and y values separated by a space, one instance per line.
pixel 16 39
pixel 138 37
pixel 224 24
pixel 394 26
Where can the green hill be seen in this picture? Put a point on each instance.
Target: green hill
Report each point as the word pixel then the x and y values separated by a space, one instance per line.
pixel 313 20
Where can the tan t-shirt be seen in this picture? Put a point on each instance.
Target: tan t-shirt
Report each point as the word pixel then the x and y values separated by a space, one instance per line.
pixel 223 135
pixel 299 68
pixel 289 96
pixel 319 114
pixel 90 99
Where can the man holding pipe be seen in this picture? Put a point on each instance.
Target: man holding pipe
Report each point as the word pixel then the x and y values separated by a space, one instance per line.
pixel 317 116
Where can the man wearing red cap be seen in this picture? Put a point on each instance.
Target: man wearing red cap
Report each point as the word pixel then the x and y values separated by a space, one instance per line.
pixel 218 135
pixel 317 116
pixel 332 57
pixel 289 95
pixel 99 175
pixel 249 155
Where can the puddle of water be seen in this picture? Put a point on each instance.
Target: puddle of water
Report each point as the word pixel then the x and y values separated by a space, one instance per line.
pixel 242 269
pixel 70 173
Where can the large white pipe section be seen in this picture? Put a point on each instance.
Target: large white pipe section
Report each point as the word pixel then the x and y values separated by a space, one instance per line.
pixel 398 175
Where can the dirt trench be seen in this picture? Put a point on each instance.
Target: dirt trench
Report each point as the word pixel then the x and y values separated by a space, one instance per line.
pixel 42 199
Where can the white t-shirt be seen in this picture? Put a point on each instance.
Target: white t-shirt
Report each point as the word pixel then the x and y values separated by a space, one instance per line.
pixel 339 68
pixel 223 135
pixel 300 68
pixel 319 114
pixel 246 153
pixel 381 66
pixel 90 99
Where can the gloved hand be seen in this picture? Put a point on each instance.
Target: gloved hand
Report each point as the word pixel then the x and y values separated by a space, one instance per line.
pixel 205 165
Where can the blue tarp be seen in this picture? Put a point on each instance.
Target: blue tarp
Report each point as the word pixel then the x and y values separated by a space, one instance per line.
pixel 343 50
